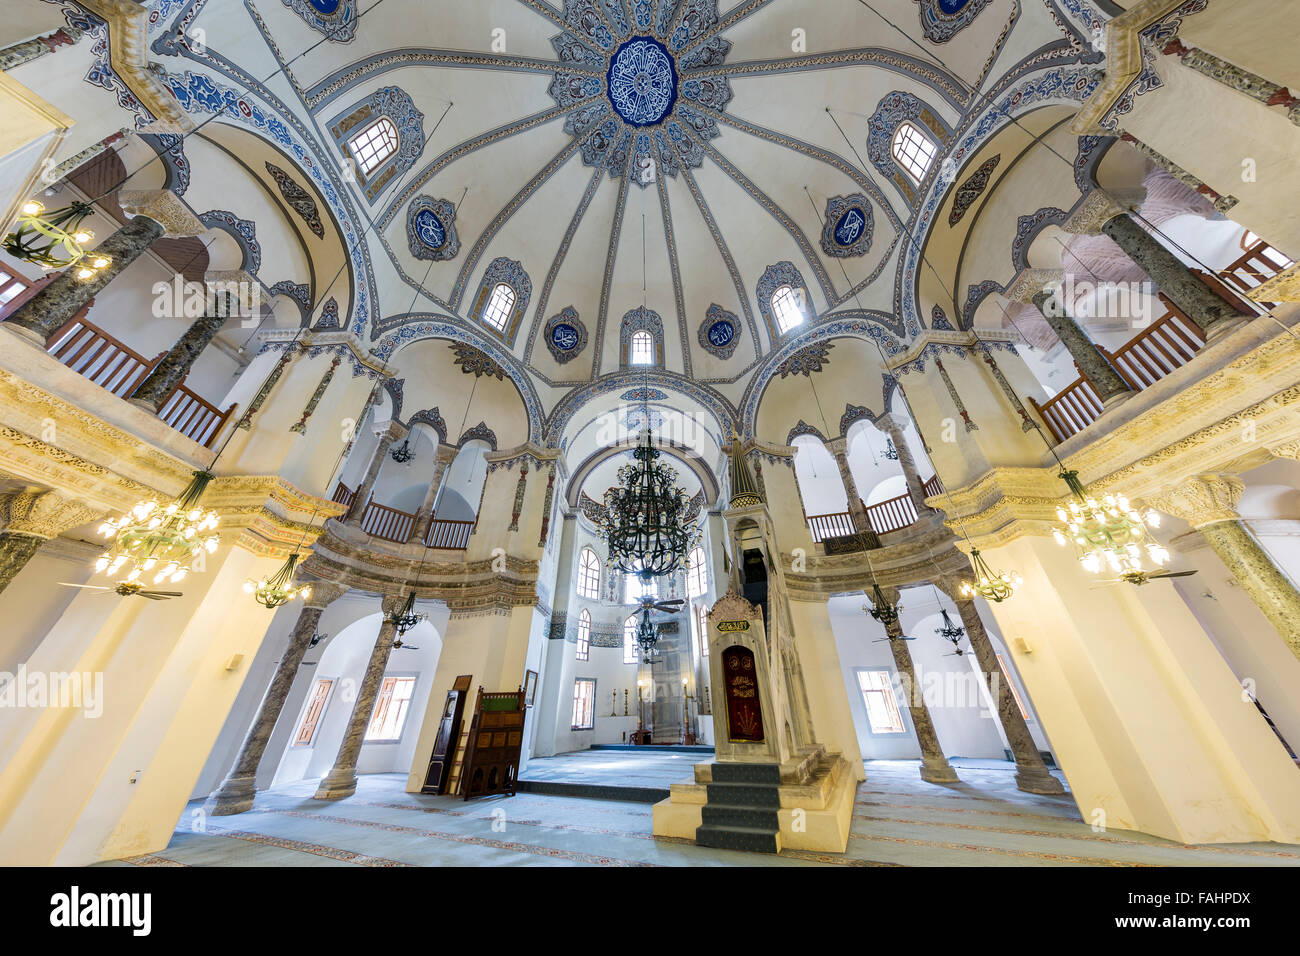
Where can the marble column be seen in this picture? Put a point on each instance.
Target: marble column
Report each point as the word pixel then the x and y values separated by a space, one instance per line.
pixel 341 781
pixel 1230 75
pixel 367 487
pixel 893 426
pixel 29 518
pixel 1209 504
pixel 154 213
pixel 857 510
pixel 28 50
pixel 169 373
pixel 934 765
pixel 1105 381
pixel 237 791
pixel 445 455
pixel 1032 775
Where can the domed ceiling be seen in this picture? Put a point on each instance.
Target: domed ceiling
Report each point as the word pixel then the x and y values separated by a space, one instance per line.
pixel 626 164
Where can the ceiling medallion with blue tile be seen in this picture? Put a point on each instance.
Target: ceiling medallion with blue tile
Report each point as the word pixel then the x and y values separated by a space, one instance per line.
pixel 565 335
pixel 720 332
pixel 849 225
pixel 431 229
pixel 337 19
pixel 644 124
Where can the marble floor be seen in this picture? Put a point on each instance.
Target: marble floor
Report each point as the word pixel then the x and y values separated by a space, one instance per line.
pixel 898 820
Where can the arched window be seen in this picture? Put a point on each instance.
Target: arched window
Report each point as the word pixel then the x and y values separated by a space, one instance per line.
pixel 785 306
pixel 642 351
pixel 696 574
pixel 588 575
pixel 637 589
pixel 913 150
pixel 374 145
pixel 499 306
pixel 584 635
pixel 631 653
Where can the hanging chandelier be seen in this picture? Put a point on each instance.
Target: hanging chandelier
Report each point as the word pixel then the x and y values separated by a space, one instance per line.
pixel 406 618
pixel 169 538
pixel 402 453
pixel 884 612
pixel 1109 534
pixel 949 631
pixel 995 586
pixel 647 634
pixel 56 240
pixel 279 589
pixel 644 524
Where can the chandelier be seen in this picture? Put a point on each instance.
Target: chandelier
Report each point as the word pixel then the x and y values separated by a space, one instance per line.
pixel 1109 534
pixel 56 240
pixel 644 523
pixel 168 538
pixel 949 631
pixel 402 454
pixel 647 634
pixel 995 586
pixel 406 618
pixel 279 589
pixel 884 612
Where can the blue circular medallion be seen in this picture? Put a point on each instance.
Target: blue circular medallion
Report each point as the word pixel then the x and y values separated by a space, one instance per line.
pixel 430 229
pixel 850 227
pixel 564 337
pixel 952 6
pixel 325 6
pixel 721 334
pixel 642 81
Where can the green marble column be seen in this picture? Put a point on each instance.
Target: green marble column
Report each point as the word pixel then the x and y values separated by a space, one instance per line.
pixel 16 549
pixel 176 364
pixel 1105 381
pixel 42 315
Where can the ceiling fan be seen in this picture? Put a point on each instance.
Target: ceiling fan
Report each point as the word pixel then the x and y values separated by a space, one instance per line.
pixel 128 589
pixel 1142 577
pixel 399 644
pixel 882 639
pixel 652 604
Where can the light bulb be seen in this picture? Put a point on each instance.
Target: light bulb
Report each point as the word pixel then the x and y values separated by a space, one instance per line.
pixel 1060 538
pixel 85 273
pixel 1153 518
pixel 102 564
pixel 33 208
pixel 249 587
pixel 179 575
pixel 100 262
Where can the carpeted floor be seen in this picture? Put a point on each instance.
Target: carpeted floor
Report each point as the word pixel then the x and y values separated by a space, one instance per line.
pixel 898 820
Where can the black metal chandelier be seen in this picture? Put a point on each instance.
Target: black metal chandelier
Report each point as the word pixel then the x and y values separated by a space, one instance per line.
pixel 950 631
pixel 880 608
pixel 645 525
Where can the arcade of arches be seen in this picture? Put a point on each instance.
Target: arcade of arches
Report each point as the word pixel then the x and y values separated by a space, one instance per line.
pixel 874 276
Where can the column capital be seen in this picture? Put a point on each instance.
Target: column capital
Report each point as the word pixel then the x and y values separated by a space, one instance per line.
pixel 1101 206
pixel 837 446
pixel 324 593
pixel 164 207
pixel 391 604
pixel 1202 500
pixel 1030 282
pixel 42 514
pixel 1289 450
pixel 246 289
pixel 394 432
pixel 893 422
pixel 446 452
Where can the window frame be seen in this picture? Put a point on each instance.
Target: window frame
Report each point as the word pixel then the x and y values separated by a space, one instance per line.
pixel 584 636
pixel 585 575
pixel 793 295
pixel 382 703
pixel 921 144
pixel 697 575
pixel 489 308
pixel 366 134
pixel 642 357
pixel 631 649
pixel 591 704
pixel 889 694
pixel 311 712
pixel 634 589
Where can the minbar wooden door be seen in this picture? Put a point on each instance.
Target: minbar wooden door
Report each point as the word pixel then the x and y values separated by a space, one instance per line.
pixel 444 745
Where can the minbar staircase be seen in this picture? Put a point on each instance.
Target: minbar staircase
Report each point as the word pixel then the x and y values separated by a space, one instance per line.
pixel 741 812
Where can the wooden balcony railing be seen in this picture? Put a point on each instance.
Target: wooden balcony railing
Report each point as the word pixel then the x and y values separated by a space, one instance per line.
pixel 1260 263
pixel 893 514
pixel 387 524
pixel 90 351
pixel 449 535
pixel 830 526
pixel 12 289
pixel 933 487
pixel 343 495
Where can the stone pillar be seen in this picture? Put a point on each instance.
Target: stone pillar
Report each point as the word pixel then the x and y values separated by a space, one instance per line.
pixel 367 486
pixel 934 765
pixel 893 426
pixel 1208 503
pixel 1230 75
pixel 1103 214
pixel 1105 381
pixel 858 511
pixel 341 781
pixel 1032 775
pixel 28 50
pixel 445 455
pixel 155 213
pixel 237 791
pixel 30 518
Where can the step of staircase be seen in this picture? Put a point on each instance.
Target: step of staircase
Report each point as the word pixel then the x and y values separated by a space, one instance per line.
pixel 744 794
pixel 722 815
pixel 751 839
pixel 766 773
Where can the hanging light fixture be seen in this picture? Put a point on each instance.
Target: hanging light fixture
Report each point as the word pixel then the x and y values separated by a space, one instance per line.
pixel 168 538
pixel 647 634
pixel 884 612
pixel 950 631
pixel 406 618
pixel 995 586
pixel 891 452
pixel 644 524
pixel 279 589
pixel 55 240
pixel 402 453
pixel 1110 534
